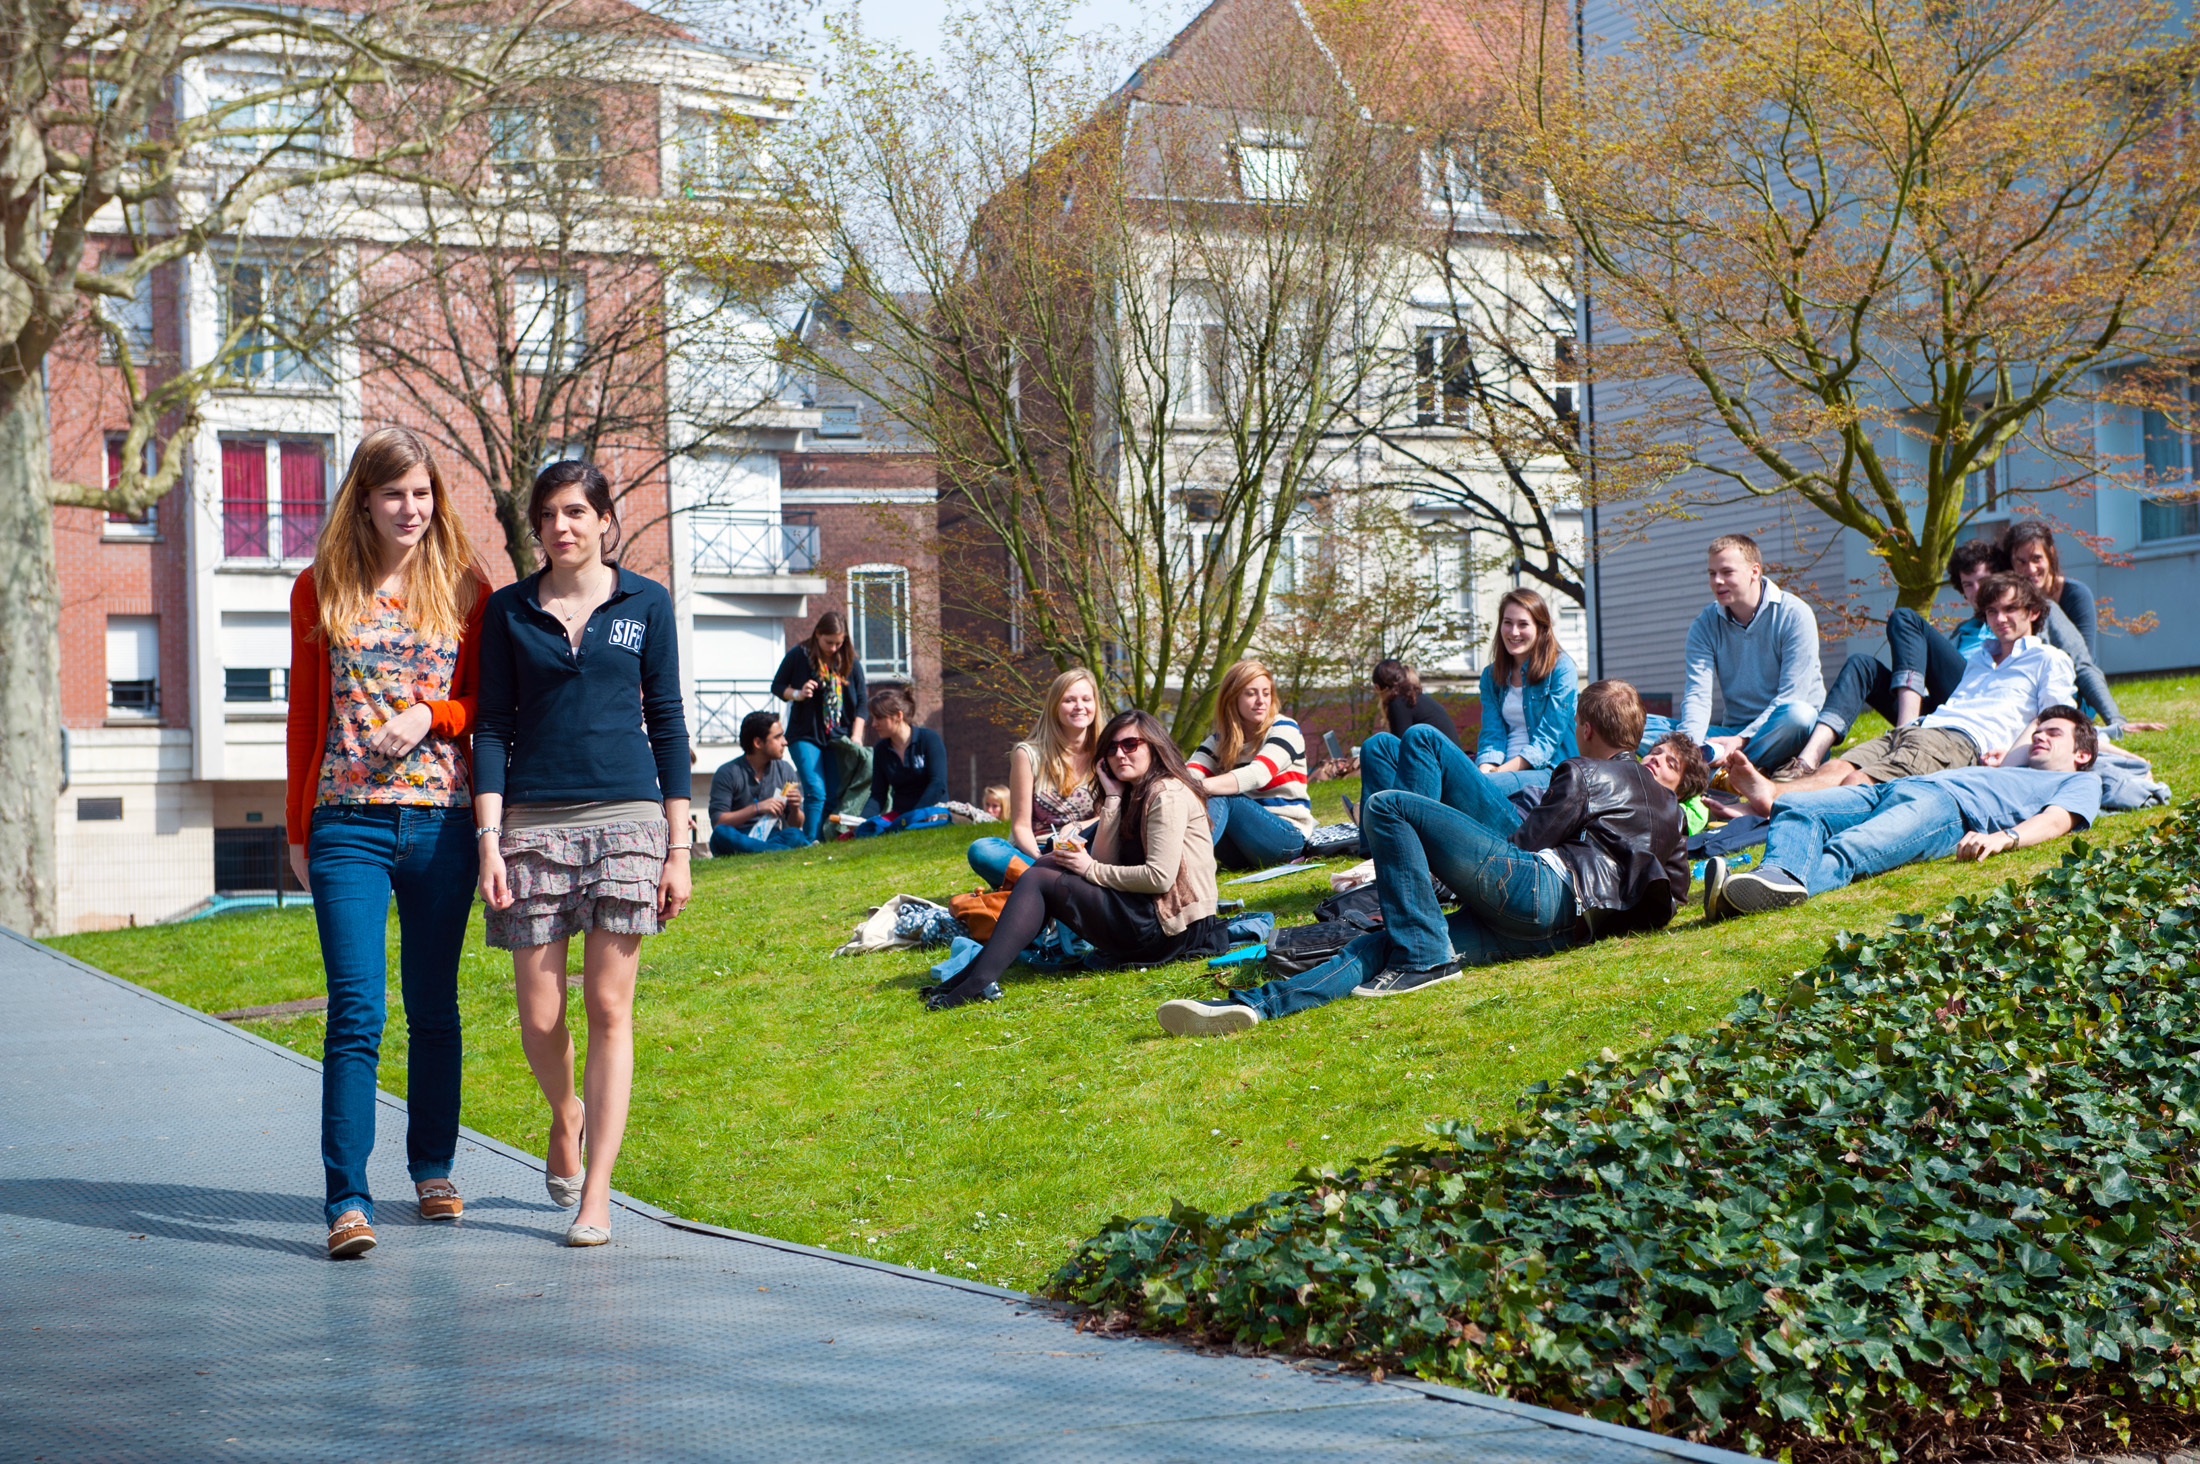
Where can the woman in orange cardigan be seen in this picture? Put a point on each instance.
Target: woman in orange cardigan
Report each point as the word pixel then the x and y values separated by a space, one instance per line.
pixel 383 643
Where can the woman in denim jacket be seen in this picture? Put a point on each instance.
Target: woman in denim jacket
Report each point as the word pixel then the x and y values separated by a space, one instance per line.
pixel 1528 691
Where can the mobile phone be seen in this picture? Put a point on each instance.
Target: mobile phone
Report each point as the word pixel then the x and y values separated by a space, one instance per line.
pixel 1336 748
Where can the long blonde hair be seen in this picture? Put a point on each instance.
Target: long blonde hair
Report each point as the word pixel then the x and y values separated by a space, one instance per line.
pixel 1054 756
pixel 440 582
pixel 1232 736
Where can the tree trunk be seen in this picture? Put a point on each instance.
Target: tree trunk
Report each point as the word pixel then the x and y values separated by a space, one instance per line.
pixel 30 659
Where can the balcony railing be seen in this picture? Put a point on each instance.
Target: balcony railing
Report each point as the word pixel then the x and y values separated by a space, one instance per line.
pixel 751 543
pixel 720 706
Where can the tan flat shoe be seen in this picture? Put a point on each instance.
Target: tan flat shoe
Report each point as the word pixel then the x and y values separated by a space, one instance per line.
pixel 441 1201
pixel 350 1236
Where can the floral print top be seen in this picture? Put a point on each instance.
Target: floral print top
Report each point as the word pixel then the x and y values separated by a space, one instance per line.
pixel 377 669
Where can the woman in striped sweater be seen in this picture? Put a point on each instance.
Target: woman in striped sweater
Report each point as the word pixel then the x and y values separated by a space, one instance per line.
pixel 1252 767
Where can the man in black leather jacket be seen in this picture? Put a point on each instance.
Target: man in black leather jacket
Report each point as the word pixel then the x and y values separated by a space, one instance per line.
pixel 1601 854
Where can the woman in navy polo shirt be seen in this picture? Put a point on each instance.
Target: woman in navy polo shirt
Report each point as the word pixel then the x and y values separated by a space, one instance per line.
pixel 581 795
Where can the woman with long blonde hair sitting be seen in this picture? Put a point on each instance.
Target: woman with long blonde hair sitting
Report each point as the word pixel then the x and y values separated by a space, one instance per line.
pixel 1252 767
pixel 385 634
pixel 1051 786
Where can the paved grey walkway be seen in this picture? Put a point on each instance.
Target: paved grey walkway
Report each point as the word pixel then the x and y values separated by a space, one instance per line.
pixel 164 1296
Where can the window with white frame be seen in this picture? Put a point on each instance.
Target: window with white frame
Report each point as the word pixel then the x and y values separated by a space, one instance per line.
pixel 1444 377
pixel 145 523
pixel 133 666
pixel 277 107
pixel 723 354
pixel 546 142
pixel 1196 364
pixel 131 317
pixel 878 619
pixel 274 308
pixel 255 649
pixel 282 524
pixel 549 320
pixel 1271 165
pixel 1449 182
pixel 712 159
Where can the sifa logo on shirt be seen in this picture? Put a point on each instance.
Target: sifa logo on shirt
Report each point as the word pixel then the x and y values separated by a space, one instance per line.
pixel 627 635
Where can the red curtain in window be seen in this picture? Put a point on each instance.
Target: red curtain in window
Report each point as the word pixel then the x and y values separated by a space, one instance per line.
pixel 305 490
pixel 114 474
pixel 244 499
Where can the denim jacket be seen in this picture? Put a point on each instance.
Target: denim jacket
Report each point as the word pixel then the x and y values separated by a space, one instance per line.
pixel 1549 705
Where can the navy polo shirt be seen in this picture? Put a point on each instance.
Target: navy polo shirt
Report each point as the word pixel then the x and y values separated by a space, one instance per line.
pixel 594 724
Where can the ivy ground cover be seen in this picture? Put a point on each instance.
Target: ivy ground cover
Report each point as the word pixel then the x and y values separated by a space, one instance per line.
pixel 1933 1197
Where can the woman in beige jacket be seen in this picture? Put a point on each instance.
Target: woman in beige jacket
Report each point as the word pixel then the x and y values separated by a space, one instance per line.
pixel 1144 894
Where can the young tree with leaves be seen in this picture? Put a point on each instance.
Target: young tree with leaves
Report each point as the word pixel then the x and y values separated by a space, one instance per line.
pixel 1850 255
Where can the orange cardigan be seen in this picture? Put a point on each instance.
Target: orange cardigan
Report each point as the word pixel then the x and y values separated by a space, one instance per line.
pixel 310 697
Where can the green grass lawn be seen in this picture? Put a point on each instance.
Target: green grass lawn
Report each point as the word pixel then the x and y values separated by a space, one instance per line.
pixel 784 1092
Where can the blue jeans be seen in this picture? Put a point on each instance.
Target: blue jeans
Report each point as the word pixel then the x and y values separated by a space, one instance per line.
pixel 819 771
pixel 726 840
pixel 1248 836
pixel 1427 762
pixel 1828 838
pixel 1925 661
pixel 1512 903
pixel 993 856
pixel 360 854
pixel 1779 739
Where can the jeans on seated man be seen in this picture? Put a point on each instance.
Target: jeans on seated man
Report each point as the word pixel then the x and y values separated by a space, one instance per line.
pixel 1757 647
pixel 2008 682
pixel 1426 762
pixel 758 790
pixel 1823 840
pixel 1600 855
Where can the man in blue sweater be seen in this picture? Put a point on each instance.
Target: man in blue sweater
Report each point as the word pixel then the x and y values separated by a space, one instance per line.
pixel 1758 646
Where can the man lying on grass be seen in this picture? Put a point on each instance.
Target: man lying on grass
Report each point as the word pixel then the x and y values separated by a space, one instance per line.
pixel 2009 681
pixel 1822 840
pixel 1600 855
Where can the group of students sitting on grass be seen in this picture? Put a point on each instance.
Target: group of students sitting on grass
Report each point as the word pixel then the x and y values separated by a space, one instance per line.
pixel 778 793
pixel 1570 820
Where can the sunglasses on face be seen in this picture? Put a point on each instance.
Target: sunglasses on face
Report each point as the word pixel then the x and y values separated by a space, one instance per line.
pixel 1125 746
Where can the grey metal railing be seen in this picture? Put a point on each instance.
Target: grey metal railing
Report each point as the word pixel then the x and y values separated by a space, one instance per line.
pixel 748 543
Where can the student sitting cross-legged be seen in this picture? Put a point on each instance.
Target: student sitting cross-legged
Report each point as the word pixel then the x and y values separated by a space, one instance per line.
pixel 1758 646
pixel 1528 693
pixel 1600 855
pixel 2009 680
pixel 1145 891
pixel 1252 769
pixel 1823 840
pixel 756 799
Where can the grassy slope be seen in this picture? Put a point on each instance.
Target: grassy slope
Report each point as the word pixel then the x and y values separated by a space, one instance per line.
pixel 783 1092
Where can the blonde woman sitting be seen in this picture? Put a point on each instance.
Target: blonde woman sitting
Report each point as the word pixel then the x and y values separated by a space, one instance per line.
pixel 1051 786
pixel 1252 767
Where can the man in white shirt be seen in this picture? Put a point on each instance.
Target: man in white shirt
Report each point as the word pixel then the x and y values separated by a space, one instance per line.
pixel 2008 680
pixel 1757 646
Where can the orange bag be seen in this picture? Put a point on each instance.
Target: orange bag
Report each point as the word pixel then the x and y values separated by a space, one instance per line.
pixel 979 909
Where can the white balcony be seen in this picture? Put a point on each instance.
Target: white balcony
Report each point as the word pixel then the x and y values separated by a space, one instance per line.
pixel 720 706
pixel 750 544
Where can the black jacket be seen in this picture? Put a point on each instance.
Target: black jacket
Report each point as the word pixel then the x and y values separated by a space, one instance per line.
pixel 595 725
pixel 902 784
pixel 1618 832
pixel 1426 711
pixel 811 720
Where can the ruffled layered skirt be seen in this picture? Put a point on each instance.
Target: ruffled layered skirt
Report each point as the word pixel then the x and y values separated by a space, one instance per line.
pixel 567 880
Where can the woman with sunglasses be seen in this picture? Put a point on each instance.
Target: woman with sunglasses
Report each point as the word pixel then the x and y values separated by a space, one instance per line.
pixel 1144 894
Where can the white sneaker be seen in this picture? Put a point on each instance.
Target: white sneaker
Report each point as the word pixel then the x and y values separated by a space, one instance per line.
pixel 1205 1018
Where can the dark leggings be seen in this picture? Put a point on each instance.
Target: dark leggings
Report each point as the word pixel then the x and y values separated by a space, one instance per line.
pixel 1110 919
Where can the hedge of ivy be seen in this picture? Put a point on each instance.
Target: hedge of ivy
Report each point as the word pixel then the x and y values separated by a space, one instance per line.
pixel 1935 1199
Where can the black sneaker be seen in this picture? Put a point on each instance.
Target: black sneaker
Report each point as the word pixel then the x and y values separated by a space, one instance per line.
pixel 1401 982
pixel 1755 891
pixel 1714 890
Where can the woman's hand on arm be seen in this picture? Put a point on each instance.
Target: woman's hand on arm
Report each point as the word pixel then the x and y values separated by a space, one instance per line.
pixel 677 883
pixel 1076 861
pixel 402 733
pixel 855 728
pixel 1512 765
pixel 496 891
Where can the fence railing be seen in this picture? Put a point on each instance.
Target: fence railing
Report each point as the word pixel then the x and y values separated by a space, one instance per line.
pixel 748 543
pixel 720 706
